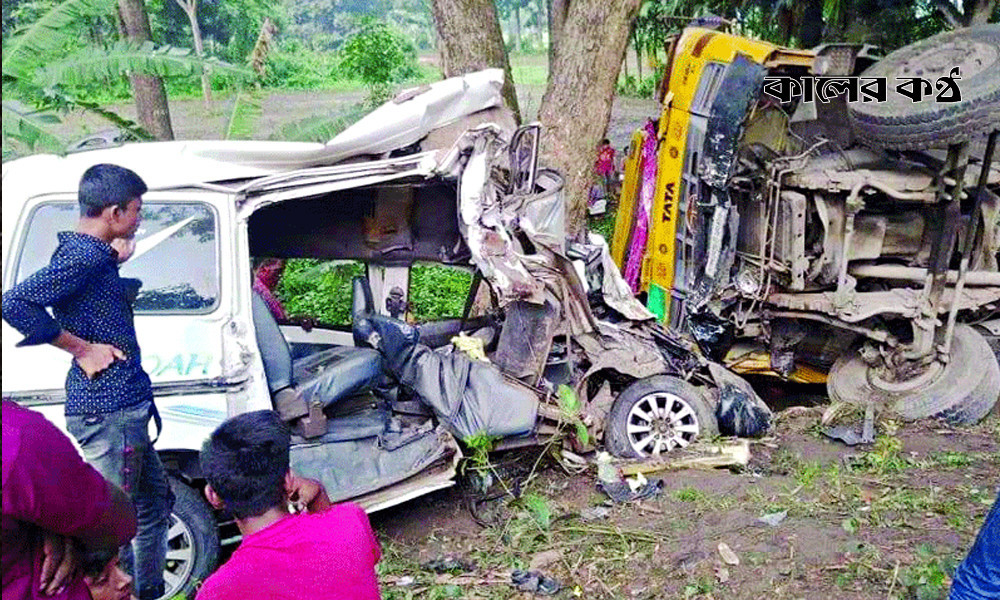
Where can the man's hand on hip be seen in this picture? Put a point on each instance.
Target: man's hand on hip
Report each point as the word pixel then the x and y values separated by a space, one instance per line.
pixel 98 357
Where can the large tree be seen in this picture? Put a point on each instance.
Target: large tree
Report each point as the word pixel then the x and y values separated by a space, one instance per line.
pixel 148 90
pixel 469 39
pixel 587 43
pixel 590 43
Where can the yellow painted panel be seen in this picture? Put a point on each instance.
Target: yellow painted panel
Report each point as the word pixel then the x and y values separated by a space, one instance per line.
pixel 626 203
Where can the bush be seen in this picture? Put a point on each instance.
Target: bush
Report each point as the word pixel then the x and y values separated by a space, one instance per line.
pixel 377 55
pixel 642 88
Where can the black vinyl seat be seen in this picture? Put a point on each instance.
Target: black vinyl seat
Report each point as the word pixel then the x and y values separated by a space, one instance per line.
pixel 324 377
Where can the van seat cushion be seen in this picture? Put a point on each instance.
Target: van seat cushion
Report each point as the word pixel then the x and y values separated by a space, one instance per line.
pixel 337 373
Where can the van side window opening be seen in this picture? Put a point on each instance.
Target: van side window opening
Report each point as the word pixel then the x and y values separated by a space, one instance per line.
pixel 176 255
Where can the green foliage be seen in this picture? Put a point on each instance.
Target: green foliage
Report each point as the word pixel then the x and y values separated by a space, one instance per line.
pixel 438 292
pixel 885 456
pixel 929 578
pixel 101 64
pixel 689 494
pixel 480 445
pixel 569 407
pixel 377 55
pixel 319 289
pixel 294 66
pixel 539 509
pixel 643 88
pixel 243 116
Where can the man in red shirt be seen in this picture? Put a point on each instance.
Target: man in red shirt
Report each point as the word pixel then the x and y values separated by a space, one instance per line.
pixel 52 501
pixel 322 552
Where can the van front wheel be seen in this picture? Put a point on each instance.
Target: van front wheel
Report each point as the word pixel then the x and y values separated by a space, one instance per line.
pixel 656 415
pixel 192 542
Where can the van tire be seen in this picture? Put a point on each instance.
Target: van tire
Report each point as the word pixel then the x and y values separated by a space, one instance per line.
pixel 197 537
pixel 963 393
pixel 673 392
pixel 900 124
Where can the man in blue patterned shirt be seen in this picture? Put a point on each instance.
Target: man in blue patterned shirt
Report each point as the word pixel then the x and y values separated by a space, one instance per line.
pixel 109 398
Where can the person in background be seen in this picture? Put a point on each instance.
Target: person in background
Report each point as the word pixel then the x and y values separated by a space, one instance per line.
pixel 978 577
pixel 605 166
pixel 109 397
pixel 53 503
pixel 320 551
pixel 266 275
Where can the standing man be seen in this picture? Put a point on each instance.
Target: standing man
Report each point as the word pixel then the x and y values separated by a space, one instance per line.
pixel 109 399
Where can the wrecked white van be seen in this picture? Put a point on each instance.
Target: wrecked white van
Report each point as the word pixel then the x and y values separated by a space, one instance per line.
pixel 379 406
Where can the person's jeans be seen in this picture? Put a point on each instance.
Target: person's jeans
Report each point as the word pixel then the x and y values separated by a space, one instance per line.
pixel 117 444
pixel 978 577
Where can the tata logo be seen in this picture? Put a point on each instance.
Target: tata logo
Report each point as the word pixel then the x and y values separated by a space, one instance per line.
pixel 668 203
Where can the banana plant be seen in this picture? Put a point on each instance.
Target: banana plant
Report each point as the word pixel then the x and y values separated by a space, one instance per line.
pixel 37 72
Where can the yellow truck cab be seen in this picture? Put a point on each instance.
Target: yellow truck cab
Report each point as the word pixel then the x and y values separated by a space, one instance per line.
pixel 823 215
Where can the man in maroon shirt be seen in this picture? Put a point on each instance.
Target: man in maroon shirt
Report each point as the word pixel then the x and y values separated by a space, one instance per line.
pixel 52 500
pixel 323 552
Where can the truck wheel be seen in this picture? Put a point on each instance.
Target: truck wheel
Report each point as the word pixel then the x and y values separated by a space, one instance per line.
pixel 192 542
pixel 655 415
pixel 901 124
pixel 962 391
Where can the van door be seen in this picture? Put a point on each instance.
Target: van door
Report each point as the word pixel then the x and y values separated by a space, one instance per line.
pixel 183 250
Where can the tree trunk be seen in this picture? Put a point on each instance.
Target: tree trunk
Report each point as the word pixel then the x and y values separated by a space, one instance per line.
pixel 150 95
pixel 517 28
pixel 190 8
pixel 542 21
pixel 638 63
pixel 557 20
pixel 576 107
pixel 469 39
pixel 978 12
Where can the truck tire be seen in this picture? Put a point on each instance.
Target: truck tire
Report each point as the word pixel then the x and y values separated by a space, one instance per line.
pixel 192 542
pixel 963 392
pixel 901 124
pixel 656 415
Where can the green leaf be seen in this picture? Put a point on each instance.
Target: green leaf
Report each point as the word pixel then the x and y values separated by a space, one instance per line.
pixel 101 64
pixel 28 129
pixel 50 32
pixel 581 433
pixel 243 117
pixel 540 510
pixel 568 400
pixel 850 525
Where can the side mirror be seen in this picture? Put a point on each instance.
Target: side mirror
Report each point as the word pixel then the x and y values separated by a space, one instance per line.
pixel 524 158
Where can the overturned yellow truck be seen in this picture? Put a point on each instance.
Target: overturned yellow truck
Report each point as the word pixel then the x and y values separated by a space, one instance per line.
pixel 827 215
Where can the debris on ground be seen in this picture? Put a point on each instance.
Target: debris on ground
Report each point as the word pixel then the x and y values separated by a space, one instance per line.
pixel 727 554
pixel 595 513
pixel 848 433
pixel 736 454
pixel 544 559
pixel 449 564
pixel 621 492
pixel 535 582
pixel 773 519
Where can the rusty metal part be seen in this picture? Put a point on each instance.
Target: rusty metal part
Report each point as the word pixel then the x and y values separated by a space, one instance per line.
pixel 970 240
pixel 919 275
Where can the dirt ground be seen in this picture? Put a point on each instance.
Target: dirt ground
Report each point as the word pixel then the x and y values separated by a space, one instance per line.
pixel 889 521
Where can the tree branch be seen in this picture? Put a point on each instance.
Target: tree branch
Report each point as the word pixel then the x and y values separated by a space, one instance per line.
pixel 950 13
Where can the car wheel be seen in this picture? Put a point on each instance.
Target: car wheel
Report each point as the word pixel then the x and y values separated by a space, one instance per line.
pixel 962 391
pixel 192 542
pixel 901 124
pixel 656 415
